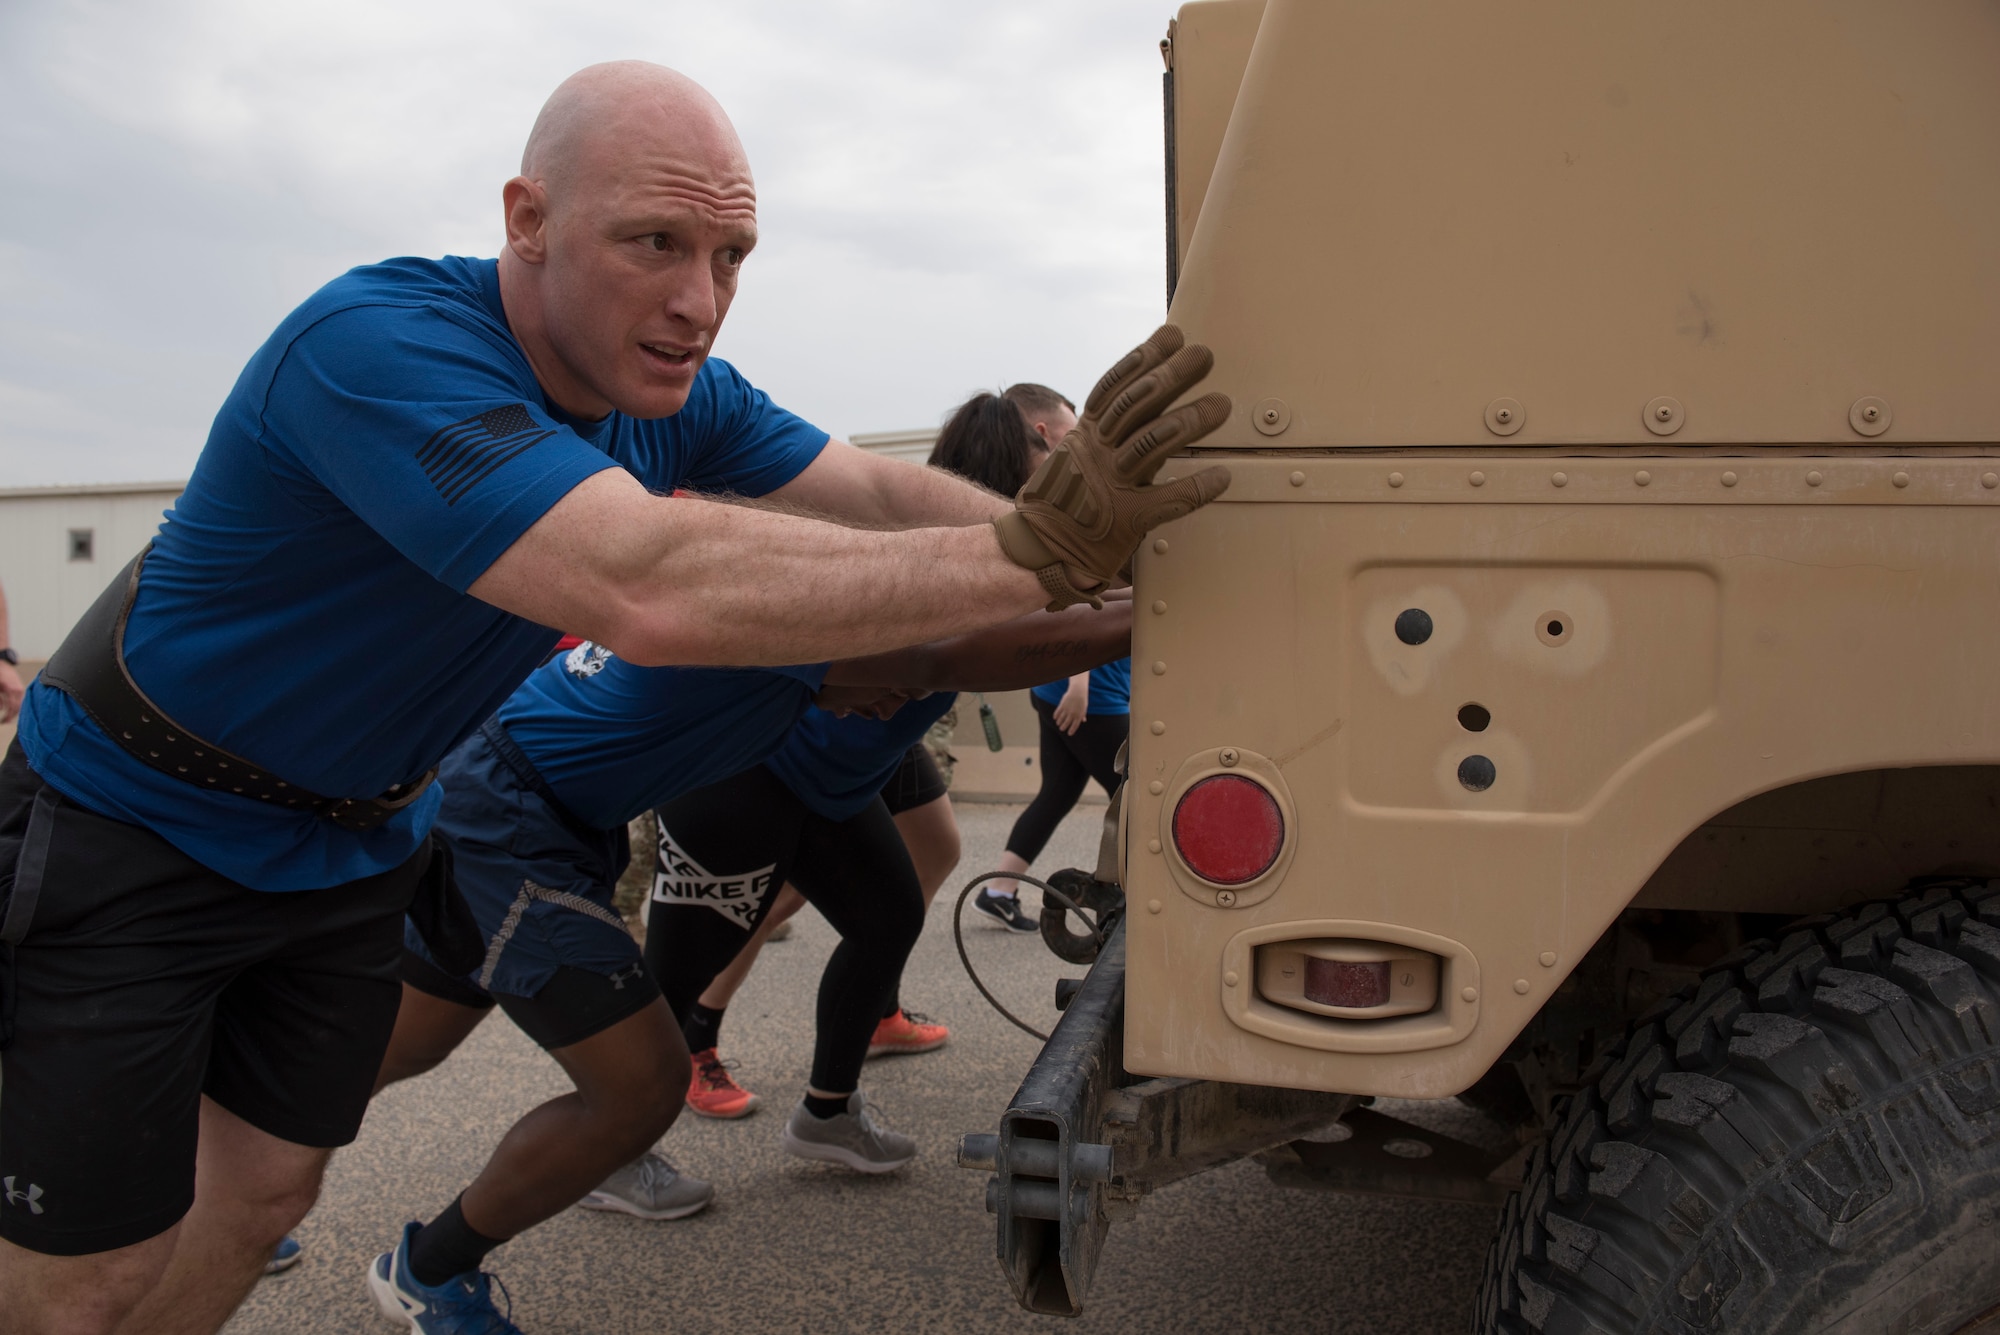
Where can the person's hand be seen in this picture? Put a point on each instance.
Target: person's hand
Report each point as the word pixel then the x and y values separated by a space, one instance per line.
pixel 1081 516
pixel 11 692
pixel 1074 707
pixel 876 702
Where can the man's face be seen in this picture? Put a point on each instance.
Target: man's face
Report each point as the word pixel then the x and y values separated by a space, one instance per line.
pixel 641 266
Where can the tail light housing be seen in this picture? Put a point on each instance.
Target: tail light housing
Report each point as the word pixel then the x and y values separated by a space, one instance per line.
pixel 1348 979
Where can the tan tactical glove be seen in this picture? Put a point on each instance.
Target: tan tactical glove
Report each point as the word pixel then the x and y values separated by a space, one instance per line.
pixel 1087 507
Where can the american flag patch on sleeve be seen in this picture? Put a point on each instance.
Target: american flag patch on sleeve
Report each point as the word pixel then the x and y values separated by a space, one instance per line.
pixel 461 456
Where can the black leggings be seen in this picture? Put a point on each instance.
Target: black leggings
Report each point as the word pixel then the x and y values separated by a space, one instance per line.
pixel 725 851
pixel 1067 763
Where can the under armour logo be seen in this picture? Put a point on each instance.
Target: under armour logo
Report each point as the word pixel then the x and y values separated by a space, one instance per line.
pixel 630 974
pixel 32 1197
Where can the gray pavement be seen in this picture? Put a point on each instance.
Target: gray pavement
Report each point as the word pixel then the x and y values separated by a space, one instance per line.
pixel 793 1246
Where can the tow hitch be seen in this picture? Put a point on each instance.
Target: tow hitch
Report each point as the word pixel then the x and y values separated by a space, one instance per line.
pixel 1083 1141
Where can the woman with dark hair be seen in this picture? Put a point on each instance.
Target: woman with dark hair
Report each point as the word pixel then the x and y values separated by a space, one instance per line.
pixel 1083 719
pixel 990 440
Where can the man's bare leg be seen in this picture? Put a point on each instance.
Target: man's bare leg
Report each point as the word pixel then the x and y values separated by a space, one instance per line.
pixel 722 988
pixel 79 1295
pixel 427 1031
pixel 630 1082
pixel 250 1189
pixel 930 832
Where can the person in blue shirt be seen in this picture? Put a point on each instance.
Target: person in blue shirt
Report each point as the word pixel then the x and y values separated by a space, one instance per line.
pixel 1084 721
pixel 534 817
pixel 217 810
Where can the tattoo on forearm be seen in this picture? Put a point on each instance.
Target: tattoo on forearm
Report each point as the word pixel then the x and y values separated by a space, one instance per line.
pixel 1029 653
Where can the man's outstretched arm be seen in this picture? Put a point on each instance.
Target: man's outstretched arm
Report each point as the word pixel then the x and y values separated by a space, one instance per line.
pixel 852 486
pixel 1024 652
pixel 681 580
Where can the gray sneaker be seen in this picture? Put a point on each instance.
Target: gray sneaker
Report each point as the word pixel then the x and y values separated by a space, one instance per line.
pixel 854 1138
pixel 651 1188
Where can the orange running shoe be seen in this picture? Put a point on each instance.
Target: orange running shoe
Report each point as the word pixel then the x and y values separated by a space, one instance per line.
pixel 906 1031
pixel 714 1092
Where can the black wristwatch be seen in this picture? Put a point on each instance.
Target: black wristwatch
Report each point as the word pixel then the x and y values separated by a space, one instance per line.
pixel 9 656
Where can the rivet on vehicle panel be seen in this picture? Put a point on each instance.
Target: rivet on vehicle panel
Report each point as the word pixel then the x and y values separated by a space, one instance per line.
pixel 1989 480
pixel 1153 906
pixel 1225 899
pixel 1521 986
pixel 1158 727
pixel 1468 994
pixel 1271 416
pixel 1159 607
pixel 1160 546
pixel 1560 479
pixel 1729 479
pixel 1504 417
pixel 1229 979
pixel 1478 479
pixel 1869 416
pixel 1813 479
pixel 1152 845
pixel 1156 788
pixel 1642 477
pixel 1548 959
pixel 1901 479
pixel 1413 625
pixel 1663 416
pixel 1395 479
pixel 1298 479
pixel 1227 755
pixel 1159 669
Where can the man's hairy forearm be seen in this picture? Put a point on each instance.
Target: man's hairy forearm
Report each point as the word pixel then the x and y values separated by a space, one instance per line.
pixel 682 580
pixel 762 588
pixel 1026 651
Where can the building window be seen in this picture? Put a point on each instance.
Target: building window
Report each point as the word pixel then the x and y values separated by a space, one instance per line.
pixel 83 544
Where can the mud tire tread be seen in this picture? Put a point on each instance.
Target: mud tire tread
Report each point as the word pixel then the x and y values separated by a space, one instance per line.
pixel 1819 1114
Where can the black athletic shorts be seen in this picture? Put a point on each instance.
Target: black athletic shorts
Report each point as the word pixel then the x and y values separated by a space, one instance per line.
pixel 572 1006
pixel 917 782
pixel 145 981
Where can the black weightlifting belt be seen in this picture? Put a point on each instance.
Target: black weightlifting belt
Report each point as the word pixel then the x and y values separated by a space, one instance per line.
pixel 89 667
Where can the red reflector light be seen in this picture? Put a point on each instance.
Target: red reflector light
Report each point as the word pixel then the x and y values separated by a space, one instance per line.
pixel 1228 829
pixel 1339 983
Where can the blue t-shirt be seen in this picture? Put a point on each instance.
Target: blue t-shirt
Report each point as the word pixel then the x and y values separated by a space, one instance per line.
pixel 837 765
pixel 613 740
pixel 1110 688
pixel 305 605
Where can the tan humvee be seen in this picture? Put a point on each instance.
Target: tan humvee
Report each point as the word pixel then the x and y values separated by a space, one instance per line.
pixel 1610 576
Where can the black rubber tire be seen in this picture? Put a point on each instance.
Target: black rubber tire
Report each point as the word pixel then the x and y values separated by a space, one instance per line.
pixel 1808 1140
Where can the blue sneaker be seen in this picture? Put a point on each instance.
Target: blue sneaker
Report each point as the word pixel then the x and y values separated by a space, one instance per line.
pixel 462 1305
pixel 284 1256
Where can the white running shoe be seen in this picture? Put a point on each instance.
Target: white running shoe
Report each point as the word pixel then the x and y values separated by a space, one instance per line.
pixel 853 1138
pixel 650 1188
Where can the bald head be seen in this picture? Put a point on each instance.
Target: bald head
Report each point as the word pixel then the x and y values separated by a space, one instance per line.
pixel 626 231
pixel 587 131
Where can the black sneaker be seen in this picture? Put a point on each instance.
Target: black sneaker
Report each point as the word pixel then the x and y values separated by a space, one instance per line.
pixel 1005 910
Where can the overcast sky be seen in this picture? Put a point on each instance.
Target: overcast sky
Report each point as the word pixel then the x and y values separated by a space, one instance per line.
pixel 952 195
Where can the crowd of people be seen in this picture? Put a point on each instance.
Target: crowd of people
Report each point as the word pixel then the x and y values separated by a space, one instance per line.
pixel 309 791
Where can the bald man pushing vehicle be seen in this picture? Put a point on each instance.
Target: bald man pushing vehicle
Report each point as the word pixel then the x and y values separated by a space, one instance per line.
pixel 219 806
